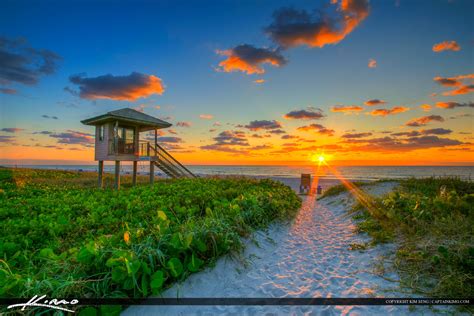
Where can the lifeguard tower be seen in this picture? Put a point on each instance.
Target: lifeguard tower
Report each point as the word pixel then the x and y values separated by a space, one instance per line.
pixel 117 138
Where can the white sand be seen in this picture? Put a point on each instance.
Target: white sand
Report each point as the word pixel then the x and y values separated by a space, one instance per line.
pixel 308 258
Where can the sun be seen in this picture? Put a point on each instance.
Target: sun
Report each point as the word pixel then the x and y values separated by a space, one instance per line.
pixel 319 158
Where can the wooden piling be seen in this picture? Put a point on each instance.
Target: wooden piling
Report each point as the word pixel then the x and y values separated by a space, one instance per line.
pixel 101 174
pixel 152 172
pixel 117 174
pixel 134 173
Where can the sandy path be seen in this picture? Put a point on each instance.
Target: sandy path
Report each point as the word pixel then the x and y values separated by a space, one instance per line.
pixel 307 258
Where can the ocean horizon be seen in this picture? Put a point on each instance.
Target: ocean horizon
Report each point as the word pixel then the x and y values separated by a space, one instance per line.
pixel 356 173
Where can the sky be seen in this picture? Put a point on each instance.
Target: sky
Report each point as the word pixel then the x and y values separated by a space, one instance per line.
pixel 243 82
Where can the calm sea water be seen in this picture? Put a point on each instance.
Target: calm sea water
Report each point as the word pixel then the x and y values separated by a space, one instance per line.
pixel 353 173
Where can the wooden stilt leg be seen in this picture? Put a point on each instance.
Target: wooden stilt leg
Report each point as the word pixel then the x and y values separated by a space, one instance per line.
pixel 152 172
pixel 101 174
pixel 134 174
pixel 117 174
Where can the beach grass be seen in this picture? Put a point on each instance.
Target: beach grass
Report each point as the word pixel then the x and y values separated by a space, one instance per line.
pixel 432 221
pixel 63 237
pixel 340 188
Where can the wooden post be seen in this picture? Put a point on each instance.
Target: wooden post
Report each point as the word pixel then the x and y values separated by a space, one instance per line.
pixel 152 172
pixel 156 142
pixel 101 174
pixel 117 174
pixel 134 173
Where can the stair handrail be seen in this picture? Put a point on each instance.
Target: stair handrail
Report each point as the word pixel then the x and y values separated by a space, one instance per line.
pixel 176 161
pixel 167 163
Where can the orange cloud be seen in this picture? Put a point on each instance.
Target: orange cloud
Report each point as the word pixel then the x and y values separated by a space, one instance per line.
pixel 374 102
pixel 385 112
pixel 259 81
pixel 464 89
pixel 457 81
pixel 446 45
pixel 347 109
pixel 372 63
pixel 421 121
pixel 206 116
pixel 292 27
pixel 452 105
pixel 425 107
pixel 248 59
pixel 120 88
pixel 317 128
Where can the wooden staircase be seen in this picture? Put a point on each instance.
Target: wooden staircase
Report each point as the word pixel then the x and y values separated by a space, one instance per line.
pixel 168 164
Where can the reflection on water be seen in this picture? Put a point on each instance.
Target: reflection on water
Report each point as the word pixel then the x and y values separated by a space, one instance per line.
pixel 352 173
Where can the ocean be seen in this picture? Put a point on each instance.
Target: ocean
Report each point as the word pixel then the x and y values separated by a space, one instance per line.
pixel 362 173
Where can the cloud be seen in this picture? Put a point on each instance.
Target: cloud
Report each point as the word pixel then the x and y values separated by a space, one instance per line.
pixel 233 138
pixel 452 105
pixel 456 82
pixel 263 125
pixel 7 139
pixel 206 116
pixel 226 142
pixel 464 89
pixel 403 144
pixel 11 129
pixel 73 137
pixel 374 102
pixel 421 121
pixel 20 63
pixel 446 45
pixel 277 131
pixel 170 139
pixel 215 147
pixel 317 128
pixel 217 124
pixel 346 109
pixel 120 88
pixel 385 112
pixel 259 81
pixel 7 91
pixel 44 133
pixel 49 117
pixel 434 131
pixel 289 137
pixel 356 135
pixel 291 27
pixel 249 59
pixel 309 114
pixel 425 107
pixel 372 63
pixel 183 124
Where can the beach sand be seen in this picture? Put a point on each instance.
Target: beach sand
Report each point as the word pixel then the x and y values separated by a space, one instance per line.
pixel 309 257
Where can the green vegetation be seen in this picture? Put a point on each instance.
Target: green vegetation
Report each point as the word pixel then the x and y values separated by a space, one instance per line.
pixel 63 238
pixel 434 220
pixel 340 188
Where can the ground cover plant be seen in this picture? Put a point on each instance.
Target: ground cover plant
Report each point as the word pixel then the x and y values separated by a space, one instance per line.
pixel 432 221
pixel 64 238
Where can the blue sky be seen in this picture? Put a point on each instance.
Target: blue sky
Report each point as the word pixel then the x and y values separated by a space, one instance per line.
pixel 177 42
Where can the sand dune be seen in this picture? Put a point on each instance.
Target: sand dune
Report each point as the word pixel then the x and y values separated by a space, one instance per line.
pixel 309 257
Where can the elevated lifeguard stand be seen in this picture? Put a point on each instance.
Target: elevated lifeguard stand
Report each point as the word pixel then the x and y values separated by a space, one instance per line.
pixel 117 138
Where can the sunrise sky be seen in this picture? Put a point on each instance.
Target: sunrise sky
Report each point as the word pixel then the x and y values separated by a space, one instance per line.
pixel 243 82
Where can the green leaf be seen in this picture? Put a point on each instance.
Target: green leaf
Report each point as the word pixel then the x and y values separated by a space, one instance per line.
pixel 88 311
pixel 195 263
pixel 175 266
pixel 110 310
pixel 157 280
pixel 145 284
pixel 162 216
pixel 85 256
pixel 119 274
